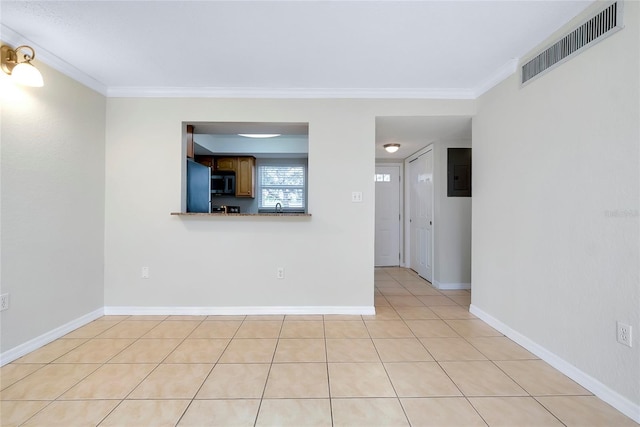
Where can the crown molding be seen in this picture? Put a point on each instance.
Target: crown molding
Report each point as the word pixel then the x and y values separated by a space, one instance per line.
pixel 11 37
pixel 498 76
pixel 7 35
pixel 249 92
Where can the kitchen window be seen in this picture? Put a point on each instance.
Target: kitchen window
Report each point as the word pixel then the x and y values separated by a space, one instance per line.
pixel 282 181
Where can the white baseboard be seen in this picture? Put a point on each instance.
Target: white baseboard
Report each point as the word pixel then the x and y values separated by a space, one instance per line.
pixel 451 286
pixel 228 311
pixel 605 393
pixel 44 339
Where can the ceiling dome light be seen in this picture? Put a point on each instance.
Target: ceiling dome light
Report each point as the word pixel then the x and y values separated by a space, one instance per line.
pixel 259 135
pixel 391 148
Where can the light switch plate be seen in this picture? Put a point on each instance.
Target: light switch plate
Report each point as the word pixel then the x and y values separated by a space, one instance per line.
pixel 356 197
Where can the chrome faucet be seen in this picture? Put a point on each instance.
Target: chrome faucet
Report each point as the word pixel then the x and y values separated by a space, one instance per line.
pixel 278 207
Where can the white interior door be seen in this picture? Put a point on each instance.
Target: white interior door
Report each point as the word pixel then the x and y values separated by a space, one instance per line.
pixel 387 237
pixel 421 214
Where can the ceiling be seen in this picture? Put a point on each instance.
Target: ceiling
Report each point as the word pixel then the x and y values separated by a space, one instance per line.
pixel 415 133
pixel 298 48
pixel 223 137
pixel 383 48
pixel 234 128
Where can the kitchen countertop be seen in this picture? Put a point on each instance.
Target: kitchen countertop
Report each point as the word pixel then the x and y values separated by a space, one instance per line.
pixel 222 214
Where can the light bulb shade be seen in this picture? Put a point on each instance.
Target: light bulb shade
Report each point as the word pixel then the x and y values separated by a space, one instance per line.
pixel 26 74
pixel 392 148
pixel 259 135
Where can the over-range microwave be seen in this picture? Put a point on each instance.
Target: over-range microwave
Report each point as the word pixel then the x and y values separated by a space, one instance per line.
pixel 223 183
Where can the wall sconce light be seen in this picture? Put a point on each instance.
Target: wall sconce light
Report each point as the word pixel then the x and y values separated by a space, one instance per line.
pixel 20 69
pixel 391 148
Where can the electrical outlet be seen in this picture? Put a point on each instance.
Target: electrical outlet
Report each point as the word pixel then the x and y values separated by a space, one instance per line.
pixel 4 302
pixel 145 272
pixel 623 333
pixel 280 273
pixel 356 196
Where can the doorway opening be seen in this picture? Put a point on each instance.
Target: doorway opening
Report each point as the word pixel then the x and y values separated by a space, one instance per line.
pixel 435 229
pixel 388 221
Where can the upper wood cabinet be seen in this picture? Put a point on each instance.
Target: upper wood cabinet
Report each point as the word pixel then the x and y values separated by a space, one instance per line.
pixel 245 177
pixel 190 143
pixel 205 160
pixel 226 163
pixel 244 168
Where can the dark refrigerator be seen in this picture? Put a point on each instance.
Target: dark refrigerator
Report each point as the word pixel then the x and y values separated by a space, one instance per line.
pixel 198 187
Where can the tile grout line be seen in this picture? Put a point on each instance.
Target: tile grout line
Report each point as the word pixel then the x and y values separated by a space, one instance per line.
pixel 169 354
pixel 529 395
pixel 101 365
pixel 212 367
pixel 150 372
pixel 266 381
pixel 326 364
pixel 440 366
pixel 161 362
pixel 388 376
pixel 391 309
pixel 465 338
pixel 51 363
pixel 549 410
pixel 419 341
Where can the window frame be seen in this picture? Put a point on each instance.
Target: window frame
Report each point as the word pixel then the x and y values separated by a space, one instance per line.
pixel 282 162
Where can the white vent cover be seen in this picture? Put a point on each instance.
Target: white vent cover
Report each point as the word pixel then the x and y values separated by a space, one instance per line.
pixel 595 29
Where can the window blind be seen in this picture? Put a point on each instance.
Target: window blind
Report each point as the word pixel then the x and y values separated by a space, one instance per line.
pixel 284 184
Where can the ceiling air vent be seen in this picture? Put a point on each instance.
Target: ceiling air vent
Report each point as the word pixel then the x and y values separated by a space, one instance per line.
pixel 595 29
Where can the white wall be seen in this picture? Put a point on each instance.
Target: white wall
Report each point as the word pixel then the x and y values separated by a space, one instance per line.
pixel 452 226
pixel 231 262
pixel 52 214
pixel 554 163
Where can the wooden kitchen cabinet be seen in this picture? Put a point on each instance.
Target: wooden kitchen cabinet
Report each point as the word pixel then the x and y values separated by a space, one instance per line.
pixel 226 164
pixel 245 177
pixel 190 143
pixel 205 160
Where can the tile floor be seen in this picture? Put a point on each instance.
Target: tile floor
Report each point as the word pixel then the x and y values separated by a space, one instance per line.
pixel 422 360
